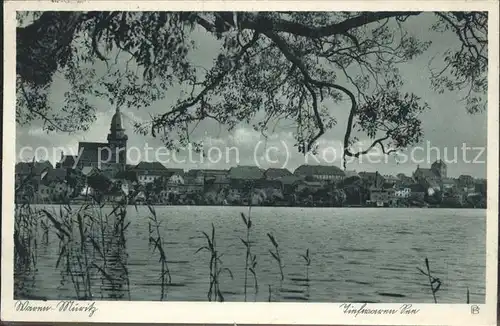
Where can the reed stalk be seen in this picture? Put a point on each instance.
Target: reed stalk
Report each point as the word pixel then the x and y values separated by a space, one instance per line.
pixel 165 276
pixel 276 254
pixel 307 261
pixel 250 259
pixel 78 228
pixel 434 282
pixel 215 267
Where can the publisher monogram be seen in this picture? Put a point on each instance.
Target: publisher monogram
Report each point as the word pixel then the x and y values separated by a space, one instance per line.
pixel 60 306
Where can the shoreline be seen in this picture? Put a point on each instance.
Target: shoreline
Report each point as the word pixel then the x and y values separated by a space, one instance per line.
pixel 252 206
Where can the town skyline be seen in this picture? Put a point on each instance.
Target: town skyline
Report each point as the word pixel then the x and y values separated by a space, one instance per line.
pixel 153 182
pixel 291 170
pixel 446 125
pixel 231 156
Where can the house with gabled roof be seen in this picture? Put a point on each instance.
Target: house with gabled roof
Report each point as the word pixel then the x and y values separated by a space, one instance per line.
pixel 431 178
pixel 390 179
pixel 175 183
pixel 245 177
pixel 404 180
pixel 466 182
pixel 448 184
pixel 213 179
pixel 245 172
pixel 351 173
pixel 208 173
pixel 439 168
pixel 67 161
pixel 193 184
pixel 289 183
pixel 381 196
pixel 324 173
pixel 372 179
pixel 28 179
pixel 56 181
pixel 28 176
pixel 33 168
pixel 55 176
pixel 311 186
pixel 417 191
pixel 148 172
pixel 275 173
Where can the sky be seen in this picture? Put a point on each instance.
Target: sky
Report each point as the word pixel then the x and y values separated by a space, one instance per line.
pixel 446 126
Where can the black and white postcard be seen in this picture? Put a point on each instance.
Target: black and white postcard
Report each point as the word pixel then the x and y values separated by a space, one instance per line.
pixel 237 162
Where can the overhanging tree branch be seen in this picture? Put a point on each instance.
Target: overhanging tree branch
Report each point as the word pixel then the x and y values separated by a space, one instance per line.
pixel 317 45
pixel 257 21
pixel 182 108
pixel 287 52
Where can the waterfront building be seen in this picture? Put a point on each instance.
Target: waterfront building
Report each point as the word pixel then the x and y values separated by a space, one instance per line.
pixel 324 173
pixel 245 177
pixel 402 192
pixel 351 173
pixel 465 181
pixel 311 186
pixel 381 197
pixel 193 184
pixel 245 172
pixel 439 168
pixel 149 172
pixel 431 178
pixel 67 161
pixel 175 182
pixel 448 184
pixel 418 191
pixel 289 184
pixel 274 173
pixel 390 179
pixel 404 180
pixel 33 169
pixel 372 179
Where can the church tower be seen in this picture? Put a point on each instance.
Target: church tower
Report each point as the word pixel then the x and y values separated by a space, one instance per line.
pixel 117 141
pixel 439 168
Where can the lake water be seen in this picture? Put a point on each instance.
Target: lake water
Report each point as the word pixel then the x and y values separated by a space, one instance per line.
pixel 357 255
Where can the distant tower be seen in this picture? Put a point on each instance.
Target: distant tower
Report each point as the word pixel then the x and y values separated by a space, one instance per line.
pixel 117 141
pixel 439 168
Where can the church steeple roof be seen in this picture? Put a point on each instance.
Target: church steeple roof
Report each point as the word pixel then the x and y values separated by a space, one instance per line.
pixel 116 121
pixel 439 162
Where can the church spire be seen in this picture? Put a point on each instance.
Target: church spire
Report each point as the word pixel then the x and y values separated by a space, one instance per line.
pixel 116 121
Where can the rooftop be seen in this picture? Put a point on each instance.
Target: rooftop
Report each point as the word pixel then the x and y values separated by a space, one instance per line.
pixel 429 173
pixel 448 181
pixel 93 152
pixel 351 173
pixel 311 170
pixel 289 179
pixel 369 174
pixel 55 175
pixel 273 173
pixel 155 168
pixel 68 160
pixel 438 163
pixel 417 188
pixel 33 167
pixel 246 172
